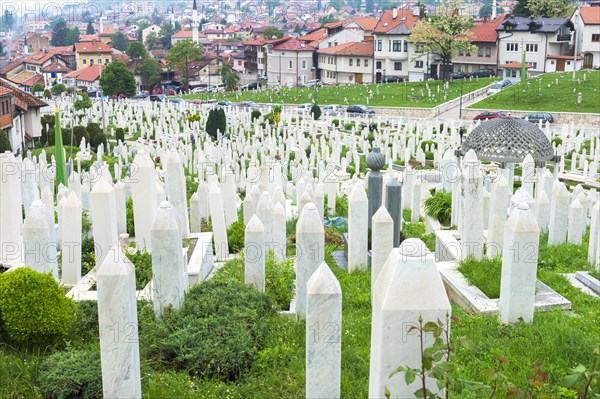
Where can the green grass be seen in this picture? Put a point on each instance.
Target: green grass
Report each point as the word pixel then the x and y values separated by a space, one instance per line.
pixel 384 95
pixel 535 95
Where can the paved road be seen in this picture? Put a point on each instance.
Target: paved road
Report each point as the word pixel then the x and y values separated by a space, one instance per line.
pixel 453 113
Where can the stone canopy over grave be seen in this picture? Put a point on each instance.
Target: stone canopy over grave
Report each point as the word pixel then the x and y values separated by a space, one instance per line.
pixel 508 140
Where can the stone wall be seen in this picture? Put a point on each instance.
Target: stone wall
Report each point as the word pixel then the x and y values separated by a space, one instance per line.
pixel 559 117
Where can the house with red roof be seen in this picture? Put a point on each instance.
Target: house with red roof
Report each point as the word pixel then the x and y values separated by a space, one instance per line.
pixel 587 26
pixel 289 63
pixel 90 53
pixel 87 77
pixel 348 63
pixel 485 37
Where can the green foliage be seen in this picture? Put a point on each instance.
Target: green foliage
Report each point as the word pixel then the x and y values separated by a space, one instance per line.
pixel 181 57
pixel 229 76
pixel 79 133
pixel 255 114
pixel 563 258
pixel 94 129
pixel 235 237
pixel 315 111
pixel 33 308
pixel 216 122
pixel 149 70
pixel 272 32
pixel 73 373
pixel 99 139
pixel 89 30
pixel 59 33
pixel 349 125
pixel 439 206
pixel 47 94
pixel 117 79
pixel 72 36
pixel 335 122
pixel 432 145
pixel 142 261
pixel 85 329
pixel 193 118
pixel 83 103
pixel 120 134
pixel 129 216
pixel 556 141
pixel 4 142
pixel 119 41
pixel 585 377
pixel 484 274
pixel 59 88
pixel 137 50
pixel 38 88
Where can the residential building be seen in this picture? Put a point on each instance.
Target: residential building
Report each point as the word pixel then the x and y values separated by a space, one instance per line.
pixel 92 53
pixel 34 42
pixel 53 73
pixel 546 42
pixel 484 36
pixel 347 63
pixel 6 108
pixel 289 63
pixel 587 36
pixel 512 71
pixel 151 29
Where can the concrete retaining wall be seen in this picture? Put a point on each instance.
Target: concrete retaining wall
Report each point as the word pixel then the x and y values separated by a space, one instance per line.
pixel 559 117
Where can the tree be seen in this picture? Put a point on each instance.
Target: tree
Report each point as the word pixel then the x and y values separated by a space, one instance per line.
pixel 369 6
pixel 444 34
pixel 520 8
pixel 59 88
pixel 151 40
pixel 72 36
pixel 4 142
pixel 90 29
pixel 487 10
pixel 137 50
pixel 8 20
pixel 117 79
pixel 59 33
pixel 141 26
pixel 229 76
pixel 83 103
pixel 272 32
pixel 550 8
pixel 2 50
pixel 119 41
pixel 37 88
pixel 165 33
pixel 181 57
pixel 216 122
pixel 315 111
pixel 149 70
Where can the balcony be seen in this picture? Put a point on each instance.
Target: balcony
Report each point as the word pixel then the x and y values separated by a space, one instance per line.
pixel 563 38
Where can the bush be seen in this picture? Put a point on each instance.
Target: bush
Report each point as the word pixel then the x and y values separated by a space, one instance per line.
pixel 429 156
pixel 439 206
pixel 432 145
pixel 93 129
pixel 255 114
pixel 99 139
pixel 85 329
pixel 59 88
pixel 120 134
pixel 235 237
pixel 72 374
pixel 217 121
pixel 335 122
pixel 4 142
pixel 47 94
pixel 349 125
pixel 80 133
pixel 142 261
pixel 557 140
pixel 33 308
pixel 315 111
pixel 37 88
pixel 129 217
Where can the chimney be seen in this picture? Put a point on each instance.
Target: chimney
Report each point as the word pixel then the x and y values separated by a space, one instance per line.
pixel 394 12
pixel 416 11
pixel 494 7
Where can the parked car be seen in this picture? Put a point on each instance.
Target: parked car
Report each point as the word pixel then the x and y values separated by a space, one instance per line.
pixel 392 79
pixel 177 100
pixel 216 88
pixel 226 103
pixel 484 116
pixel 161 98
pixel 360 109
pixel 313 83
pixel 251 86
pixel 498 87
pixel 539 116
pixel 457 75
pixel 305 107
pixel 249 105
pixel 199 90
pixel 332 109
pixel 482 73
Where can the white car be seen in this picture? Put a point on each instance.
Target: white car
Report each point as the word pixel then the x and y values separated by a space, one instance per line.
pixel 498 86
pixel 333 109
pixel 198 90
pixel 305 107
pixel 312 83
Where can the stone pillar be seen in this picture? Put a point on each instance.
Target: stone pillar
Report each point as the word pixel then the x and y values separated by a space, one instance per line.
pixel 409 178
pixel 279 232
pixel 375 161
pixel 498 214
pixel 542 210
pixel 576 223
pixel 175 187
pixel 471 227
pixel 528 177
pixel 71 239
pixel 229 197
pixel 11 217
pixel 117 319
pixel 594 244
pixel 37 248
pixel 120 207
pixel 169 278
pixel 393 204
pixel 382 241
pixel 416 200
pixel 519 266
pixel 104 221
pixel 195 220
pixel 358 231
pixel 319 200
pixel 331 189
pixel 323 335
pixel 559 208
pixel 143 192
pixel 264 211
pixel 248 207
pixel 217 216
pixel 203 197
pixel 398 302
pixel 310 252
pixel 254 253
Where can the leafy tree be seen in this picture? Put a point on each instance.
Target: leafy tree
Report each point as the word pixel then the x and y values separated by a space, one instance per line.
pixel 149 70
pixel 4 142
pixel 72 36
pixel 137 50
pixel 117 79
pixel 47 94
pixel 2 54
pixel 90 29
pixel 550 8
pixel 181 57
pixel 272 32
pixel 166 31
pixel 83 103
pixel 520 9
pixel 119 41
pixel 59 88
pixel 369 6
pixel 315 111
pixel 37 88
pixel 141 26
pixel 79 133
pixel 229 76
pixel 7 21
pixel 59 33
pixel 444 34
pixel 217 121
pixel 487 10
pixel 151 40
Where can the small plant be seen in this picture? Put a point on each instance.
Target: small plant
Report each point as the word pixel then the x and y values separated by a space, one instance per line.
pixel 120 134
pixel 439 206
pixel 335 122
pixel 315 111
pixel 216 122
pixel 585 378
pixel 432 145
pixel 129 217
pixel 255 114
pixel 235 237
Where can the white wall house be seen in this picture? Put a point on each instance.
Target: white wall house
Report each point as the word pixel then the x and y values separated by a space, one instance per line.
pixel 289 63
pixel 587 37
pixel 347 63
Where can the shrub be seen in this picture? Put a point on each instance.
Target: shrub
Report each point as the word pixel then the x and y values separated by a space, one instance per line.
pixel 47 94
pixel 235 237
pixel 93 129
pixel 439 206
pixel 80 132
pixel 33 308
pixel 255 114
pixel 315 111
pixel 429 155
pixel 129 217
pixel 85 329
pixel 120 134
pixel 37 88
pixel 349 125
pixel 557 140
pixel 335 122
pixel 74 373
pixel 142 261
pixel 279 281
pixel 4 142
pixel 432 144
pixel 59 88
pixel 99 139
pixel 217 121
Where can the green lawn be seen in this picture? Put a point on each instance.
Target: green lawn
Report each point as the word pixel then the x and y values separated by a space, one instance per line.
pixel 543 94
pixel 384 95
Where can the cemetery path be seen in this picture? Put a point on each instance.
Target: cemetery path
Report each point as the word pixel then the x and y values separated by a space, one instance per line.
pixel 453 113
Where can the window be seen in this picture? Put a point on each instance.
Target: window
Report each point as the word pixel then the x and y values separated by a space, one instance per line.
pixel 99 60
pixel 397 45
pixel 106 61
pixel 398 66
pixel 91 61
pixel 358 62
pixel 378 45
pixel 351 62
pixel 533 65
pixel 405 46
pixel 512 46
pixel 596 37
pixel 366 62
pixel 84 61
pixel 378 65
pixel 418 64
pixel 289 64
pixel 239 63
pixel 488 51
pixel 531 47
pixel 480 52
pixel 303 64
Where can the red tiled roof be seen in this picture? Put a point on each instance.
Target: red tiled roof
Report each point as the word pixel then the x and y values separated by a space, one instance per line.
pixel 95 47
pixel 314 36
pixel 590 15
pixel 87 74
pixel 4 91
pixel 293 45
pixel 486 32
pixel 65 50
pixel 23 99
pixel 10 66
pixel 388 22
pixel 108 32
pixel 514 65
pixel 38 58
pixel 367 23
pixel 183 33
pixel 89 38
pixel 56 67
pixel 351 48
pixel 562 57
pixel 259 41
pixel 37 78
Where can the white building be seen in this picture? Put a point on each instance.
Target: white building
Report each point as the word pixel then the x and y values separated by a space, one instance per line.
pixel 587 37
pixel 151 29
pixel 347 63
pixel 289 63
